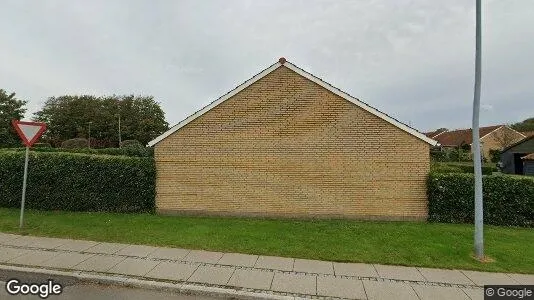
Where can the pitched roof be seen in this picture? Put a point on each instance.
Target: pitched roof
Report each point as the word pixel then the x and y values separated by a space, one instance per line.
pixel 528 157
pixel 519 142
pixel 434 133
pixel 528 133
pixel 462 136
pixel 282 62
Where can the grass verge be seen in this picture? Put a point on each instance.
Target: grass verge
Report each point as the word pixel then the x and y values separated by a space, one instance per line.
pixel 400 243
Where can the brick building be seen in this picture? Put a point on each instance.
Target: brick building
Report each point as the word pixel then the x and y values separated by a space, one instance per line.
pixel 494 137
pixel 285 143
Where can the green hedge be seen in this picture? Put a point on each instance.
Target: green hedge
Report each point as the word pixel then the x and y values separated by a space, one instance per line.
pixel 441 167
pixel 78 182
pixel 508 200
pixel 127 151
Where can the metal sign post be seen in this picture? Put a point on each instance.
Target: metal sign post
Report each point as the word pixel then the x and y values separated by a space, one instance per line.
pixel 24 188
pixel 29 132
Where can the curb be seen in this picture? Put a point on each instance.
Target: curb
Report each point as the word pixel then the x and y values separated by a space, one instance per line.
pixel 181 288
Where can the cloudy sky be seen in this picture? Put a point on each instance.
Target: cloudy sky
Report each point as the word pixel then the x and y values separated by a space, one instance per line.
pixel 411 59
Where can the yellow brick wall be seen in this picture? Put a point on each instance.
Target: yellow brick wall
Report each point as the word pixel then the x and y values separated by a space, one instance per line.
pixel 499 139
pixel 285 146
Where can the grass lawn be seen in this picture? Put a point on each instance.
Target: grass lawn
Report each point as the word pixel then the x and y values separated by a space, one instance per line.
pixel 401 243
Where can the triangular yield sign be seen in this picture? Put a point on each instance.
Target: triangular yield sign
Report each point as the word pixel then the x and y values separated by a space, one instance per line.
pixel 29 132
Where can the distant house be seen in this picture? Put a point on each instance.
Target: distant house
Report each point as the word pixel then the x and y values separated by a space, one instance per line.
pixel 491 138
pixel 513 157
pixel 435 132
pixel 528 164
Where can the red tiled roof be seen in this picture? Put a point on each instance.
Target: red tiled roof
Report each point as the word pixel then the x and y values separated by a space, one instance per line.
pixel 528 157
pixel 433 133
pixel 462 136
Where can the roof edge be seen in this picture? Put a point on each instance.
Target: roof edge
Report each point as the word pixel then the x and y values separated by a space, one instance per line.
pixel 361 104
pixel 527 138
pixel 309 76
pixel 213 104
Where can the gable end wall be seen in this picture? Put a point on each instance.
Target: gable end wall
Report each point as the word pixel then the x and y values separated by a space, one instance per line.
pixel 285 146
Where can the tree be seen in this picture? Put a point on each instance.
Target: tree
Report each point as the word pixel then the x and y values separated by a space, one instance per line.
pixel 68 117
pixel 10 108
pixel 526 125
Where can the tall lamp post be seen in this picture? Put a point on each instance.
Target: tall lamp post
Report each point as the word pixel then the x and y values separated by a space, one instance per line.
pixel 479 212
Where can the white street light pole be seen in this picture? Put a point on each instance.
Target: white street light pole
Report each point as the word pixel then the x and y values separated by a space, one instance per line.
pixel 479 212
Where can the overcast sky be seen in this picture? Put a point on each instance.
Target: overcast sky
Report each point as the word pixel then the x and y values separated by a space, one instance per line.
pixel 411 59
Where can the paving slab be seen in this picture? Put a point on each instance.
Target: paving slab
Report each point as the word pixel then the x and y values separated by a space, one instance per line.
pixel 173 271
pixel 7 253
pixel 46 242
pixel 428 292
pixel 295 283
pixel 34 257
pixel 355 269
pixel 106 248
pixel 332 286
pixel 67 260
pixel 445 276
pixel 134 266
pixel 399 273
pixel 486 278
pixel 203 256
pixel 523 278
pixel 99 263
pixel 5 237
pixel 313 266
pixel 275 263
pixel 19 242
pixel 77 245
pixel 386 290
pixel 169 253
pixel 212 275
pixel 474 294
pixel 136 250
pixel 236 259
pixel 252 279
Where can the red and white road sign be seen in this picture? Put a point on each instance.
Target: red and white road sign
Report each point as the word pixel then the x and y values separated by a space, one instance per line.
pixel 29 132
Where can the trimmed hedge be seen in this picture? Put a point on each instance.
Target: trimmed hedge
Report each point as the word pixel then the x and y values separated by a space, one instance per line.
pixel 440 167
pixel 131 143
pixel 75 143
pixel 127 151
pixel 78 182
pixel 508 200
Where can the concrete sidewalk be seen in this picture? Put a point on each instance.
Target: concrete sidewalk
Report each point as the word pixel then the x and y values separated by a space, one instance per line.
pixel 241 274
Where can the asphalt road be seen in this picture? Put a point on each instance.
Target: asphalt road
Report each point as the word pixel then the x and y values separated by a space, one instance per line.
pixel 78 290
pixel 88 292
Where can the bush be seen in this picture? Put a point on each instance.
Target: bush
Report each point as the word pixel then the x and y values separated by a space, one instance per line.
pixel 76 143
pixel 451 155
pixel 495 155
pixel 440 167
pixel 42 145
pixel 78 182
pixel 508 200
pixel 132 144
pixel 445 168
pixel 139 152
